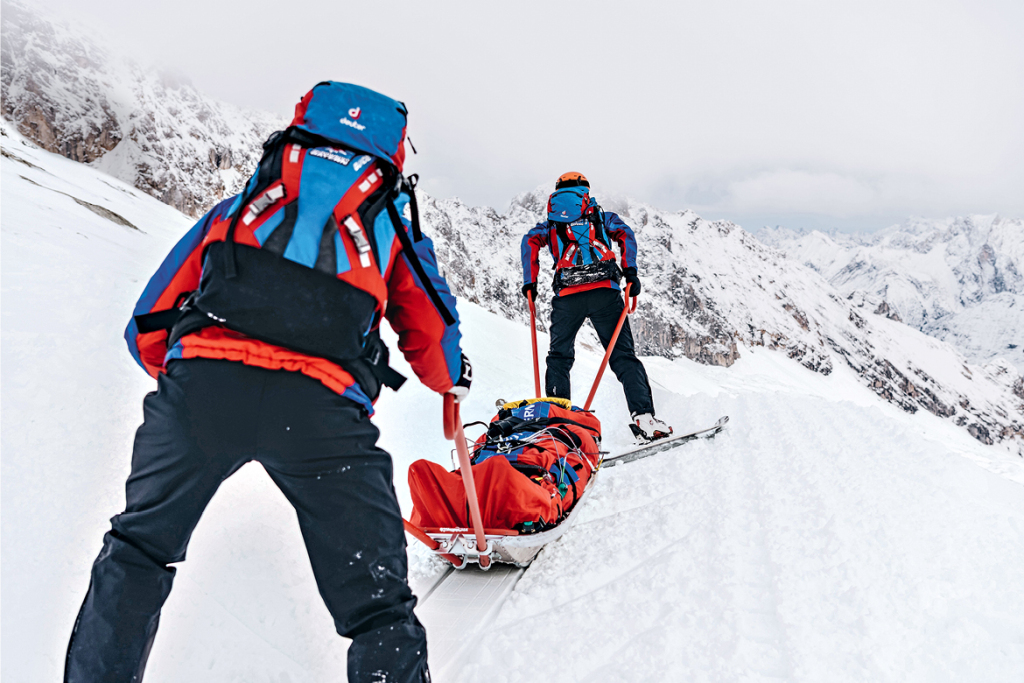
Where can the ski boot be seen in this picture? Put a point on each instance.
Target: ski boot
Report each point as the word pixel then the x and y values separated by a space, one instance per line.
pixel 647 428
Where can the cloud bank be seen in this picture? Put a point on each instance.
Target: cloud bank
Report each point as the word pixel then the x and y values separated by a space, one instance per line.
pixel 809 114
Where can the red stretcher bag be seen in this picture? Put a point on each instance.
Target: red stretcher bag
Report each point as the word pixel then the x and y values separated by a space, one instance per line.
pixel 530 469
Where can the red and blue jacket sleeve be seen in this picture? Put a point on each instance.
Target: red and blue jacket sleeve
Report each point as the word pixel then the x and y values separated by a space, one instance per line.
pixel 623 234
pixel 432 347
pixel 177 276
pixel 533 241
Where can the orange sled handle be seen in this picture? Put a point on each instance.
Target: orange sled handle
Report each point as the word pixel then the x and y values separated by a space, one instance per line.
pixel 422 537
pixel 533 338
pixel 453 430
pixel 626 310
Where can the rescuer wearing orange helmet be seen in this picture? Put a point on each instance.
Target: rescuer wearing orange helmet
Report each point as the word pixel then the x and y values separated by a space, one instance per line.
pixel 579 235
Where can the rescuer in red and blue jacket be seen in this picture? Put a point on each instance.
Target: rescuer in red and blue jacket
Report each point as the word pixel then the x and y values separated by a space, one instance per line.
pixel 579 236
pixel 260 327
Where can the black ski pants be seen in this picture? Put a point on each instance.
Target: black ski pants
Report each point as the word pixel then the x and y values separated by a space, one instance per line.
pixel 206 419
pixel 603 307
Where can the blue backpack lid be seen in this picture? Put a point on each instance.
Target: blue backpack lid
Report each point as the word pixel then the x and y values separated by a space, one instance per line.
pixel 355 117
pixel 568 204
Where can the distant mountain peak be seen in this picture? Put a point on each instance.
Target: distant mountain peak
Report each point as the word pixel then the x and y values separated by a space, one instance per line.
pixel 960 279
pixel 713 290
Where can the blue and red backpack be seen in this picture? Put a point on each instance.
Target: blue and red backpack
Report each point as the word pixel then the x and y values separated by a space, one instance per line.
pixel 280 281
pixel 579 223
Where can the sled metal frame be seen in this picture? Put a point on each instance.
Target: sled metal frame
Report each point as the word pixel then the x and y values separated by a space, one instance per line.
pixel 481 551
pixel 519 550
pixel 533 340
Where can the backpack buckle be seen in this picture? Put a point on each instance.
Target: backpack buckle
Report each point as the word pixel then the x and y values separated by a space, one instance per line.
pixel 362 244
pixel 273 194
pixel 375 355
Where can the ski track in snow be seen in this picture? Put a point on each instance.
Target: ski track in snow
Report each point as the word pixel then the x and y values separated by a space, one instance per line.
pixel 842 548
pixel 825 535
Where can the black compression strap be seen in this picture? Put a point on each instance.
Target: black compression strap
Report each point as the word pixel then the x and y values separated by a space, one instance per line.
pixel 414 261
pixel 410 187
pixel 389 377
pixel 156 321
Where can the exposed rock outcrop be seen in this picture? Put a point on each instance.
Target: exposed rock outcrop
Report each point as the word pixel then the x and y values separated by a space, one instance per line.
pixel 154 131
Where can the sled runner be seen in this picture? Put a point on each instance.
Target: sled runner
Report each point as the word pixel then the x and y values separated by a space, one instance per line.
pixel 519 550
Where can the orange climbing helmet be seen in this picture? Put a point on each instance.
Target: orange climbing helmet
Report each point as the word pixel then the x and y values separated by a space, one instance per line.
pixel 571 179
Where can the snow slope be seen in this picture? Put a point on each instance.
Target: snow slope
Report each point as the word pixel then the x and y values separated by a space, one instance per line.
pixel 957 279
pixel 821 537
pixel 827 535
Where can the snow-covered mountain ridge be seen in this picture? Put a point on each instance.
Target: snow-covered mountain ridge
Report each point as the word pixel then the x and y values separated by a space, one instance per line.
pixel 711 290
pixel 958 279
pixel 151 130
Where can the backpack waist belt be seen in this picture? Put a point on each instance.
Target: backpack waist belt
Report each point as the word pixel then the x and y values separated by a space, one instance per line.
pixel 274 300
pixel 585 275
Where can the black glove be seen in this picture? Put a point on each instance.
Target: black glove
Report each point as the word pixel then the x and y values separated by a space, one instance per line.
pixel 633 280
pixel 461 388
pixel 530 290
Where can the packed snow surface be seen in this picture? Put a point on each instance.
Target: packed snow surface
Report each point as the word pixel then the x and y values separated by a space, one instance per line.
pixel 826 535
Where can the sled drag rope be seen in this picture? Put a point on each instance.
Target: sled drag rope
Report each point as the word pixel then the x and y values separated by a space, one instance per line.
pixel 453 430
pixel 548 433
pixel 626 310
pixel 533 338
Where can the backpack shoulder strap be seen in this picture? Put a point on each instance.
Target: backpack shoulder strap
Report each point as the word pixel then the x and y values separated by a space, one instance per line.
pixel 563 232
pixel 402 184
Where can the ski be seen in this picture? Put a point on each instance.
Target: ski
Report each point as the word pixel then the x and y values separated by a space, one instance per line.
pixel 660 445
pixel 458 607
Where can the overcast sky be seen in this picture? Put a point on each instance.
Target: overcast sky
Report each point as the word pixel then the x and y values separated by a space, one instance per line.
pixel 807 114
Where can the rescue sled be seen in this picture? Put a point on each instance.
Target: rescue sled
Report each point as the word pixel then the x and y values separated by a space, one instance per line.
pixel 530 471
pixel 534 452
pixel 519 550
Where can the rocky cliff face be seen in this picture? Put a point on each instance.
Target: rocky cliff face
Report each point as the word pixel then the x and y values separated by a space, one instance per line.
pixel 156 132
